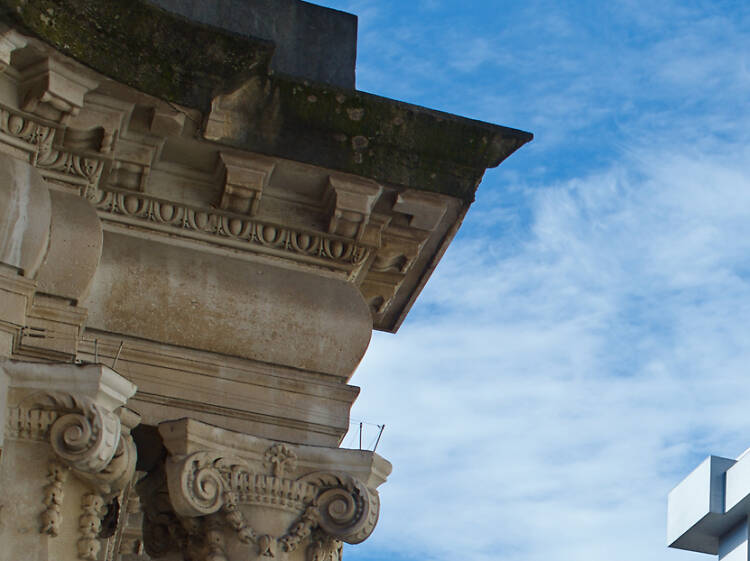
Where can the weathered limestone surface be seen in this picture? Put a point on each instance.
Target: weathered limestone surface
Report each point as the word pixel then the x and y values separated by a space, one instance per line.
pixel 194 251
pixel 251 310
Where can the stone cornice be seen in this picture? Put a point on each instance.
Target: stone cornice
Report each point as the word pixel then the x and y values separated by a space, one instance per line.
pixel 246 107
pixel 362 134
pixel 153 173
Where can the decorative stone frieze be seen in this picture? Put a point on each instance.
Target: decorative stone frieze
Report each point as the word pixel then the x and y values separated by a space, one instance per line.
pixel 235 496
pixel 230 230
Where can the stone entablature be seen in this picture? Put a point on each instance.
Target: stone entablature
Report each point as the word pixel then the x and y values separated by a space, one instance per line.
pixel 315 135
pixel 142 165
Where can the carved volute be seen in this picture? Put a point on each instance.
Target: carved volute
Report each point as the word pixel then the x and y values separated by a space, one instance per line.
pixel 222 496
pixel 67 440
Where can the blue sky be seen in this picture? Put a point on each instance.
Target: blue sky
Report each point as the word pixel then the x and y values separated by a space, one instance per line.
pixel 584 343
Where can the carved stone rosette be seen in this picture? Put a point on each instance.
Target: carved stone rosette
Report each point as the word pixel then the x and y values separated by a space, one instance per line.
pixel 262 499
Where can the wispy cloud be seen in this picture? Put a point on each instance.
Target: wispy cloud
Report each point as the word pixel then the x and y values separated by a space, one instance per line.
pixel 550 398
pixel 584 343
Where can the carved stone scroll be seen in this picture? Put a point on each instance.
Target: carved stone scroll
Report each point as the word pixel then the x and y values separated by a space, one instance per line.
pixel 314 512
pixel 84 436
pixel 87 439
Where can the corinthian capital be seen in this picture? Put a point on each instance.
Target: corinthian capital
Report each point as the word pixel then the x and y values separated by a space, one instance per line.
pixel 247 497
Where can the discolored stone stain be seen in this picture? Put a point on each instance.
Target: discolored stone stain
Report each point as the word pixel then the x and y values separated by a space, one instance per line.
pixel 165 289
pixel 360 142
pixel 355 113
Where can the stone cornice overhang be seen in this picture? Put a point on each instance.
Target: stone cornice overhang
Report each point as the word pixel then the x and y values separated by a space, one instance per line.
pixel 143 46
pixel 226 76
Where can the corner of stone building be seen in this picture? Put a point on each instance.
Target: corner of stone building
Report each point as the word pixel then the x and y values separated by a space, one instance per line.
pixel 194 251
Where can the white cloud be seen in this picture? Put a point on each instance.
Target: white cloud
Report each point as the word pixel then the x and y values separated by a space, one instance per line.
pixel 555 394
pixel 584 343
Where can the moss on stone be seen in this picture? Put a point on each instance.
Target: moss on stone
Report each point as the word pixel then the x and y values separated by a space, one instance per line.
pixel 368 135
pixel 144 46
pixel 188 63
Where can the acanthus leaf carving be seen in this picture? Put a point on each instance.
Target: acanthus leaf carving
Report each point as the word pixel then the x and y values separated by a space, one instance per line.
pixel 324 548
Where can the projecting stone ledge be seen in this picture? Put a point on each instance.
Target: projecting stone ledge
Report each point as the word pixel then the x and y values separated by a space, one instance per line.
pixel 227 77
pixel 708 511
